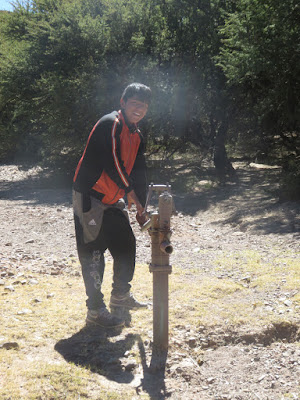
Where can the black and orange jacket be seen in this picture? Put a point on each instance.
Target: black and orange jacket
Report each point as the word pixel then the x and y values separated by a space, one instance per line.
pixel 113 161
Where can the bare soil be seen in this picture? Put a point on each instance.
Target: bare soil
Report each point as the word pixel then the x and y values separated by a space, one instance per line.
pixel 36 218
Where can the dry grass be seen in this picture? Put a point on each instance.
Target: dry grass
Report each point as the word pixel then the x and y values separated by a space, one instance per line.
pixel 264 273
pixel 37 322
pixel 37 316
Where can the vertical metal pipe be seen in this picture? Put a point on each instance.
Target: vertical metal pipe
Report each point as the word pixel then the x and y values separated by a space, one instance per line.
pixel 160 310
pixel 161 249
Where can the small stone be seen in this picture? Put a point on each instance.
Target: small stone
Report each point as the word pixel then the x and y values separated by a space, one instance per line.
pixel 9 345
pixel 200 361
pixel 33 282
pixel 238 233
pixel 192 342
pixel 50 295
pixel 130 365
pixel 211 380
pixel 9 289
pixel 24 312
pixel 37 300
pixel 2 283
pixel 262 377
pixel 29 241
pixel 8 244
pixel 288 303
pixel 246 279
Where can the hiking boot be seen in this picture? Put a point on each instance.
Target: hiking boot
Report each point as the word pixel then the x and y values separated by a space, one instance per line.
pixel 126 301
pixel 102 317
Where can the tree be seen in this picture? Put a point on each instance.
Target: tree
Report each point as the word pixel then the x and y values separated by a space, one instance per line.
pixel 260 57
pixel 63 64
pixel 199 100
pixel 219 69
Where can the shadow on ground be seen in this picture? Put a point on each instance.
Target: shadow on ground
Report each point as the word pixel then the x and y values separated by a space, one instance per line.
pixel 47 186
pixel 250 202
pixel 94 348
pixel 253 205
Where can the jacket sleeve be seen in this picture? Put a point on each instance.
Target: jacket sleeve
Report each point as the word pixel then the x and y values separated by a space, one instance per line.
pixel 107 141
pixel 139 175
pixel 90 166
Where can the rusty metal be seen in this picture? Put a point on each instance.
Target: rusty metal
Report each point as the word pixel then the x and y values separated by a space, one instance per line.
pixel 161 248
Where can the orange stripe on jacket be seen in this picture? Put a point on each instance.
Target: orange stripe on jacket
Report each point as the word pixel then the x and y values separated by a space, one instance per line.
pixel 116 160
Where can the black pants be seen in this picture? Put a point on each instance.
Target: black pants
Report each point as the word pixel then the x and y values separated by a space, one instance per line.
pixel 115 235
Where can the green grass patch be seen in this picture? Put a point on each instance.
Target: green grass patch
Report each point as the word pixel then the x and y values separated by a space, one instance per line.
pixel 264 272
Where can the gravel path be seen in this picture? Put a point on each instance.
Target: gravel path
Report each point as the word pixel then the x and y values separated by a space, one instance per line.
pixel 37 235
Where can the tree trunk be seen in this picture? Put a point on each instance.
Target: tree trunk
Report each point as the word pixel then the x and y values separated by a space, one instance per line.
pixel 222 164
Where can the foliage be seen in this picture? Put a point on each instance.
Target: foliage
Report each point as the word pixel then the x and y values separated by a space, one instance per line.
pixel 66 62
pixel 223 72
pixel 260 57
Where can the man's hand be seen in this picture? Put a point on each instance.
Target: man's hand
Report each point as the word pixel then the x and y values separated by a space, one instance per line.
pixel 132 199
pixel 141 219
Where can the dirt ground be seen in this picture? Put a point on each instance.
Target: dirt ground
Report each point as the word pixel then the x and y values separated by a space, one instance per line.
pixel 36 217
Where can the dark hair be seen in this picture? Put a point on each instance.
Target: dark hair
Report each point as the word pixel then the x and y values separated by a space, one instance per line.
pixel 142 92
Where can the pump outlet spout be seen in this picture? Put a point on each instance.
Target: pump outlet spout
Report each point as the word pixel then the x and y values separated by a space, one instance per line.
pixel 166 247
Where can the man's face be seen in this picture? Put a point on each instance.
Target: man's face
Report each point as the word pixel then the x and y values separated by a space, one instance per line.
pixel 134 109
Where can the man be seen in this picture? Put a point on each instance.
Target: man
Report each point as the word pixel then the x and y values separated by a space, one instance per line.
pixel 111 166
